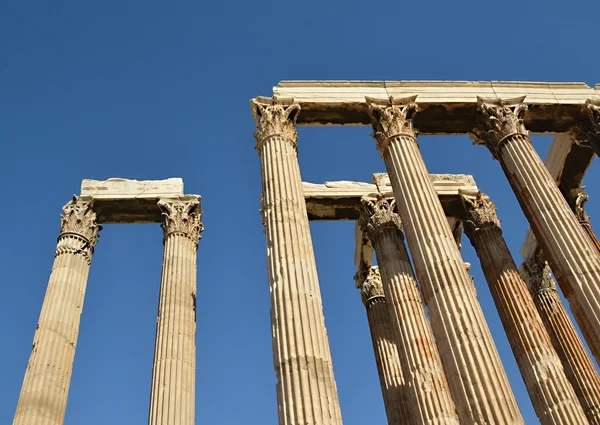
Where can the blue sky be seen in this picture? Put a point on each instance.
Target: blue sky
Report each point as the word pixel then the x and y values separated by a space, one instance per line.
pixel 150 90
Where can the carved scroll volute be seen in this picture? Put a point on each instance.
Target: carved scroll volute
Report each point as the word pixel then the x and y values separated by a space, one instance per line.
pixel 182 217
pixel 587 132
pixel 577 199
pixel 592 109
pixel 79 219
pixel 369 283
pixel 379 214
pixel 497 120
pixel 391 118
pixel 276 119
pixel 480 212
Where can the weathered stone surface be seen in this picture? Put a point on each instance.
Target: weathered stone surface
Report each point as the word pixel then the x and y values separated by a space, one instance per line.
pixel 393 387
pixel 551 393
pixel 578 366
pixel 172 400
pixel 306 389
pixel 341 200
pixel 426 388
pixel 478 382
pixel 131 201
pixel 447 107
pixel 43 398
pixel 574 259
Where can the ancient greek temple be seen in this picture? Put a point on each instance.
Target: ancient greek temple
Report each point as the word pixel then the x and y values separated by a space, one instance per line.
pixel 436 358
pixel 45 388
pixel 435 354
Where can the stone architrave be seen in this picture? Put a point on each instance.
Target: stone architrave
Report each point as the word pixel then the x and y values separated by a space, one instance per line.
pixel 477 379
pixel 428 394
pixel 306 389
pixel 578 366
pixel 392 383
pixel 43 398
pixel 172 399
pixel 551 393
pixel 572 256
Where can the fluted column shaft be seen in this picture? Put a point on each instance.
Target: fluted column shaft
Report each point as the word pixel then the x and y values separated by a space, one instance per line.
pixel 389 368
pixel 574 259
pixel 551 393
pixel 43 399
pixel 306 389
pixel 477 379
pixel 172 398
pixel 578 366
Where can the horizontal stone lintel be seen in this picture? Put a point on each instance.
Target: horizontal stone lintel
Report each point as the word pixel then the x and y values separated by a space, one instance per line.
pixel 445 107
pixel 123 201
pixel 340 200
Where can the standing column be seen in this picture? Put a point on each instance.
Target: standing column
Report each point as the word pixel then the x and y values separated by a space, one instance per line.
pixel 306 389
pixel 577 365
pixel 574 259
pixel 43 398
pixel 551 393
pixel 475 373
pixel 172 398
pixel 429 397
pixel 389 369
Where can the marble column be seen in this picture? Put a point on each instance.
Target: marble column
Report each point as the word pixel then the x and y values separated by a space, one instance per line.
pixel 551 393
pixel 384 346
pixel 576 199
pixel 45 389
pixel 172 397
pixel 573 258
pixel 578 366
pixel 428 394
pixel 477 379
pixel 306 389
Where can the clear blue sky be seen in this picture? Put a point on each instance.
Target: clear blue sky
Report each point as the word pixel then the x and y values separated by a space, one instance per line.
pixel 150 90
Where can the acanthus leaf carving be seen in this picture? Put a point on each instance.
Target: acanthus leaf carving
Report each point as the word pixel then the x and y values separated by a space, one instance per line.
pixel 379 214
pixel 587 132
pixel 368 281
pixel 497 120
pixel 480 212
pixel 277 119
pixel 392 118
pixel 79 218
pixel 182 217
pixel 538 275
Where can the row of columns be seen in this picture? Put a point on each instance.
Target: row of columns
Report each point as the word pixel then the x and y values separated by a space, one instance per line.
pixel 448 366
pixel 45 389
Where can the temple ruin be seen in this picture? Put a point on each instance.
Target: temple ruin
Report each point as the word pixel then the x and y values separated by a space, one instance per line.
pixel 435 355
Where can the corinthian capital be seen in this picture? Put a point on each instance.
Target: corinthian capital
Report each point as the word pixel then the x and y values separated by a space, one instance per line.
pixel 79 219
pixel 538 275
pixel 182 216
pixel 480 212
pixel 587 133
pixel 275 119
pixel 378 214
pixel 368 281
pixel 391 118
pixel 497 119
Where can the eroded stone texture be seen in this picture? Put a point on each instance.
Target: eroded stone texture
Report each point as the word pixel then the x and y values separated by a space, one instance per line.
pixel 43 398
pixel 427 392
pixel 389 369
pixel 551 393
pixel 306 389
pixel 475 373
pixel 172 400
pixel 578 366
pixel 574 259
